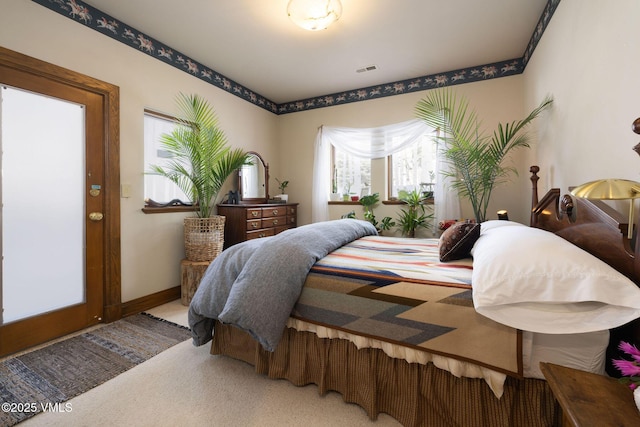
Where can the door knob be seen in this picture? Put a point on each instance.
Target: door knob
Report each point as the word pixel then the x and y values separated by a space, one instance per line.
pixel 95 216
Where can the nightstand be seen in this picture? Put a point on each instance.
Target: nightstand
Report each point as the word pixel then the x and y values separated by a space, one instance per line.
pixel 590 399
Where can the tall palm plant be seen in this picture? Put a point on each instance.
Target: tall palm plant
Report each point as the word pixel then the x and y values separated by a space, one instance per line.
pixel 476 158
pixel 200 158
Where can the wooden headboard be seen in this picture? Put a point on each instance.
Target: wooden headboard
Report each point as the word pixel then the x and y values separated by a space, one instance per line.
pixel 589 224
pixel 598 229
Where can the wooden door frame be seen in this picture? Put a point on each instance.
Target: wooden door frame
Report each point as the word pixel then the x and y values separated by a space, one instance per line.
pixel 112 307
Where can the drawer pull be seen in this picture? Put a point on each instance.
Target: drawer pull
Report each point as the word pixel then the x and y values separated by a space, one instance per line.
pixel 275 212
pixel 275 222
pixel 261 235
pixel 254 213
pixel 254 224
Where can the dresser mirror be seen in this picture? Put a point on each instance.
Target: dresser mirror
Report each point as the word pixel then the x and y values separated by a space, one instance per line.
pixel 253 180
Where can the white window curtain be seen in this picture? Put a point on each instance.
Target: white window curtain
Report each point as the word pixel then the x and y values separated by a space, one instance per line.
pixel 369 143
pixel 446 202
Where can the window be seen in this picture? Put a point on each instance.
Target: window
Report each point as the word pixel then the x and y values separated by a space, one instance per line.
pixel 352 175
pixel 158 188
pixel 332 170
pixel 413 168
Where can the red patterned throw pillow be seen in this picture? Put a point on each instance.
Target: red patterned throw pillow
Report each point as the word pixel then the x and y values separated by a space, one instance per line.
pixel 457 240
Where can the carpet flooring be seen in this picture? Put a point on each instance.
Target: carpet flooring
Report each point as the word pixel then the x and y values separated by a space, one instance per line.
pixel 47 377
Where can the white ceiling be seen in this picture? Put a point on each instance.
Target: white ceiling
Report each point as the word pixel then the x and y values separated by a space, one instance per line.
pixel 254 43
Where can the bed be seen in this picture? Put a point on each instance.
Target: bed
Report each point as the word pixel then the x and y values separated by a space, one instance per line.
pixel 393 328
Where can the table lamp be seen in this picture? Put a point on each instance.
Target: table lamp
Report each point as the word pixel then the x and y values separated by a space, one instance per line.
pixel 611 189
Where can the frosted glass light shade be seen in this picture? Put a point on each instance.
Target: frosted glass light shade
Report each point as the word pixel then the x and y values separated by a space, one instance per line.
pixel 314 15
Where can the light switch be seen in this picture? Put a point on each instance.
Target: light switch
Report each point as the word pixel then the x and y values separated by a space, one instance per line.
pixel 125 190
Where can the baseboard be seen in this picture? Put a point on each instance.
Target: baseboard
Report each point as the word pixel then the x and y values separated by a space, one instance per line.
pixel 141 304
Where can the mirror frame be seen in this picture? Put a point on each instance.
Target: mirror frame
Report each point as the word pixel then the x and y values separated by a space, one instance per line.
pixel 266 182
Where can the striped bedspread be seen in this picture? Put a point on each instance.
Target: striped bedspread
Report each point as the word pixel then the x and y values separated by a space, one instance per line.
pixel 396 290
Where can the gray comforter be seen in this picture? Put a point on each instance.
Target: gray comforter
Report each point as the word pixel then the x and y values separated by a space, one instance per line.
pixel 255 284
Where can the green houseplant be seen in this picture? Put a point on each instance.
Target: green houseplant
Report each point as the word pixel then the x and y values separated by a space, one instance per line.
pixel 282 186
pixel 367 203
pixel 476 158
pixel 414 216
pixel 200 161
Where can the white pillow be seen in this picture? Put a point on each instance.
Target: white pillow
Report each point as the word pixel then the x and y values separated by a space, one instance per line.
pixel 533 280
pixel 496 223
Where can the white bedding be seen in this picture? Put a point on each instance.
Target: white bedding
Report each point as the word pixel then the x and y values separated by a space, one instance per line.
pixel 534 280
pixel 586 351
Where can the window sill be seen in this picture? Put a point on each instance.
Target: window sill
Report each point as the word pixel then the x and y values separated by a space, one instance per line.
pixel 384 202
pixel 153 207
pixel 344 202
pixel 168 209
pixel 400 202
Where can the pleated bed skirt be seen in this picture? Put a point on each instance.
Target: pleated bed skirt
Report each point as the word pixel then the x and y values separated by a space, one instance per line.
pixel 414 394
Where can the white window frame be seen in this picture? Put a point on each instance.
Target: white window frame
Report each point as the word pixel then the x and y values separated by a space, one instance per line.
pixel 425 177
pixel 158 188
pixel 357 186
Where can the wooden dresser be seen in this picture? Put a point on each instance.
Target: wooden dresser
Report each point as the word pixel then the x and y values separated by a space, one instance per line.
pixel 252 221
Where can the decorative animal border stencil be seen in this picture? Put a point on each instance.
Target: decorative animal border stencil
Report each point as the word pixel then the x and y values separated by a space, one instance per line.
pixel 120 31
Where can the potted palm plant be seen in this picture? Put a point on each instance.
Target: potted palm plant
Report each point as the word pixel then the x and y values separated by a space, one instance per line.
pixel 199 163
pixel 476 158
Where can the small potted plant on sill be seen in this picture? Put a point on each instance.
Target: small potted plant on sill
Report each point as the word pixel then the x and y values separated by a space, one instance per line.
pixel 427 187
pixel 282 185
pixel 346 194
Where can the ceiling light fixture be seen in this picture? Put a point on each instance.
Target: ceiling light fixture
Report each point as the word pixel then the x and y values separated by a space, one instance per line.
pixel 314 15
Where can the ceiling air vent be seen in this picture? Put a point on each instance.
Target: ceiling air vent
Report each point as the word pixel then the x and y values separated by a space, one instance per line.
pixel 368 68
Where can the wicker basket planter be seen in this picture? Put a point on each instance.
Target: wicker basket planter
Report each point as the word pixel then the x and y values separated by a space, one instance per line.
pixel 203 237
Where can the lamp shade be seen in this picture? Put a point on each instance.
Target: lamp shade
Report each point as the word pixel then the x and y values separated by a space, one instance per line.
pixel 611 189
pixel 608 189
pixel 314 15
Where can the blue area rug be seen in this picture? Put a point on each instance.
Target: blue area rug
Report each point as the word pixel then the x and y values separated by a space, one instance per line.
pixel 47 377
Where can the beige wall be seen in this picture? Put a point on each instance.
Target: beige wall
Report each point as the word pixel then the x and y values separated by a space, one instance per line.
pixel 588 59
pixel 152 245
